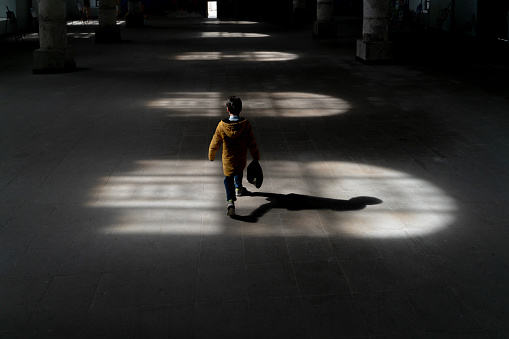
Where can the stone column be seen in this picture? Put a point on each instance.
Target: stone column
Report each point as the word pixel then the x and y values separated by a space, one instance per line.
pixel 134 15
pixel 54 54
pixel 324 26
pixel 107 31
pixel 375 44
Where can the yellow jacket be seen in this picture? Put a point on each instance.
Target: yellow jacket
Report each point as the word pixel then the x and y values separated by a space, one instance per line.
pixel 237 137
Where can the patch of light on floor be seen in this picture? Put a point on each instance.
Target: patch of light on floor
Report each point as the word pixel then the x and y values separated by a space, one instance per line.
pixel 189 199
pixel 281 104
pixel 232 35
pixel 81 35
pixel 299 104
pixel 198 102
pixel 409 203
pixel 260 56
pixel 83 23
pixel 225 22
pixel 90 23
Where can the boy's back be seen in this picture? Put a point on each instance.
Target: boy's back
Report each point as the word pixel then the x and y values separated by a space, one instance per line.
pixel 236 136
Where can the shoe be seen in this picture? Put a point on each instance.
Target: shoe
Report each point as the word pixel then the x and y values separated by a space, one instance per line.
pixel 230 209
pixel 240 191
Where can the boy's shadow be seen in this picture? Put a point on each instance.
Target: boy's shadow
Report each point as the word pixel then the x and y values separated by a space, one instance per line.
pixel 298 202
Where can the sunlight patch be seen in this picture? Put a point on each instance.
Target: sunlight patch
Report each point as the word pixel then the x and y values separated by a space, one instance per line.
pixel 165 199
pixel 92 22
pixel 232 35
pixel 226 22
pixel 81 35
pixel 259 104
pixel 261 56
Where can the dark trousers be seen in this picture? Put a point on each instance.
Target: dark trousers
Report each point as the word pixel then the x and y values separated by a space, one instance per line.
pixel 230 183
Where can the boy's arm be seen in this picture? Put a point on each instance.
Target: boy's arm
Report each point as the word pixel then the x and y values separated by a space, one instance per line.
pixel 251 144
pixel 215 144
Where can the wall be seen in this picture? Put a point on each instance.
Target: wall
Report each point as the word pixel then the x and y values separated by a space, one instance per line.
pixel 23 14
pixel 435 11
pixel 466 17
pixel 486 18
pixel 258 10
pixel 492 21
pixel 21 9
pixel 10 3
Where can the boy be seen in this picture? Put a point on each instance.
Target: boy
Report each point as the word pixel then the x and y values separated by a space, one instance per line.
pixel 236 135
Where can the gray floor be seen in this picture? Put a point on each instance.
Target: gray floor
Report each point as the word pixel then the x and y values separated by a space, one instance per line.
pixel 382 214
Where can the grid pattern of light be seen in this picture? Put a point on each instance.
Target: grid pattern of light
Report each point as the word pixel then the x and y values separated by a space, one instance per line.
pixel 184 202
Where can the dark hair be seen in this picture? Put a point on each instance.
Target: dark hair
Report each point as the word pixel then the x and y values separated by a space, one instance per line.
pixel 234 105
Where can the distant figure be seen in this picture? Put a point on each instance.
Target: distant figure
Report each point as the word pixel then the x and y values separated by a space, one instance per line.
pixel 86 9
pixel 236 135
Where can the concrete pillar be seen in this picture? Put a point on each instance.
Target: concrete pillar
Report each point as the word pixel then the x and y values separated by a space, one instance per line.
pixel 324 26
pixel 375 44
pixel 134 15
pixel 107 31
pixel 54 54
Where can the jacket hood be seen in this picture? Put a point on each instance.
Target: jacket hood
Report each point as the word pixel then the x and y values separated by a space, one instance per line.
pixel 233 128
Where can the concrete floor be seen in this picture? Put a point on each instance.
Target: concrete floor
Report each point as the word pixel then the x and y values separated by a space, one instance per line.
pixel 113 222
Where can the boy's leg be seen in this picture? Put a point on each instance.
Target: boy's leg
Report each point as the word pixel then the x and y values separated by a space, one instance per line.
pixel 239 189
pixel 238 180
pixel 229 185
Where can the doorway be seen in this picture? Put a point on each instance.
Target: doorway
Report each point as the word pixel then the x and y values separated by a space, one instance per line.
pixel 212 9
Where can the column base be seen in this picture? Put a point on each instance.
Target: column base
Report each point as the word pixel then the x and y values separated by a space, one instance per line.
pixel 324 29
pixel 107 34
pixel 371 51
pixel 54 61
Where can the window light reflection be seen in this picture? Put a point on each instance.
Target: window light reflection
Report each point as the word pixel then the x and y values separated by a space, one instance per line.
pixel 279 104
pixel 232 35
pixel 81 35
pixel 262 56
pixel 93 22
pixel 167 203
pixel 224 22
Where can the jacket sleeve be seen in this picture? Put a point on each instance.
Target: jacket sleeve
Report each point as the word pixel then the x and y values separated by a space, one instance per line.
pixel 217 139
pixel 251 144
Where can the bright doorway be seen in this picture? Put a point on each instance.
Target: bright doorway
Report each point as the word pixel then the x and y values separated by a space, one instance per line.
pixel 212 9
